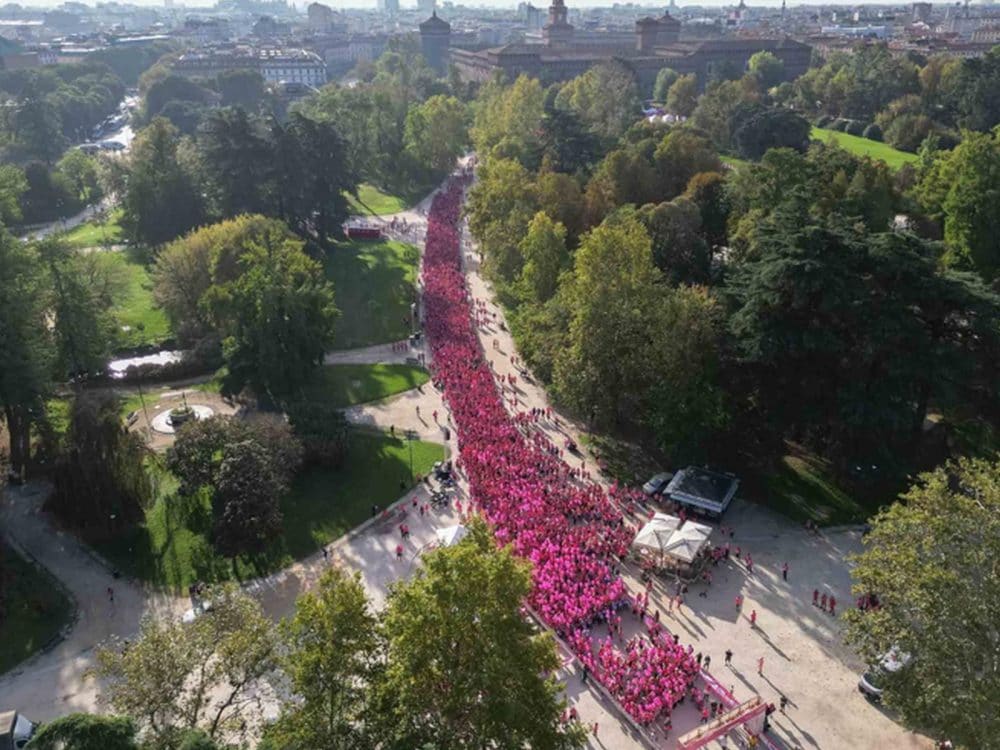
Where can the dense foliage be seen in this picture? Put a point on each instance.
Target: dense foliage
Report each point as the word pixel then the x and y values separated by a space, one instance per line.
pixel 937 548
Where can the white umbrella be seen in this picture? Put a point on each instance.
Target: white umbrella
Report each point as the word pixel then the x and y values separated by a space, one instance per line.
pixel 452 535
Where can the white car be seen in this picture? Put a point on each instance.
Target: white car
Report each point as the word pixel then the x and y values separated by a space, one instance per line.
pixel 657 483
pixel 872 682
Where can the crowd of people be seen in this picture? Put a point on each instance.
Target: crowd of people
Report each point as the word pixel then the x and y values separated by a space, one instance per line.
pixel 573 532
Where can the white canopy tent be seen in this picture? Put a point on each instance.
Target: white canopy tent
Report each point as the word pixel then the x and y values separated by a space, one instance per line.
pixel 687 542
pixel 449 536
pixel 654 536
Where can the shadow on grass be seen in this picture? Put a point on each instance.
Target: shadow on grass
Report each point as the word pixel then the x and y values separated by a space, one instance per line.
pixel 173 548
pixel 374 285
pixel 339 386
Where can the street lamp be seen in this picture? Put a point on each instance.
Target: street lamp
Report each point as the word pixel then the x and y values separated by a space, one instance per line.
pixel 411 435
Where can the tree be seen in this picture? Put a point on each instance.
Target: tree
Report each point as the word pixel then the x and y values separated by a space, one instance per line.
pixel 82 323
pixel 766 68
pixel 606 98
pixel 248 491
pixel 463 667
pixel 679 250
pixel 437 133
pixel 236 152
pixel 101 484
pixel 567 144
pixel 81 731
pixel 314 175
pixel 26 350
pixel 665 78
pixel 81 171
pixel 331 652
pixel 38 128
pixel 682 96
pixel 188 267
pixel 12 186
pixel 544 251
pixel 680 156
pixel 769 128
pixel 246 464
pixel 507 120
pixel 971 224
pixel 277 318
pixel 205 674
pixel 560 197
pixel 500 207
pixel 937 545
pixel 241 88
pixel 614 296
pixel 708 191
pixel 685 406
pixel 49 194
pixel 160 199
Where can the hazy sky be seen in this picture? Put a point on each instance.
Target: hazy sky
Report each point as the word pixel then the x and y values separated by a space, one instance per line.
pixel 505 3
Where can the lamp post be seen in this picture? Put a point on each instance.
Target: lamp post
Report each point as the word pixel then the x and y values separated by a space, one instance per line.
pixel 410 437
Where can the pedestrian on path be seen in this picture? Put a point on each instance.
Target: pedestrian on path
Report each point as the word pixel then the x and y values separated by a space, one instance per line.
pixel 833 604
pixel 783 703
pixel 822 602
pixel 111 595
pixel 760 666
pixel 815 597
pixel 708 660
pixel 583 674
pixel 739 602
pixel 729 658
pixel 326 554
pixel 784 571
pixel 753 618
pixel 399 551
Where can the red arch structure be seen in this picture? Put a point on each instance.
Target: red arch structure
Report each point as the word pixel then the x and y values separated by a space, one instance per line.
pixel 748 715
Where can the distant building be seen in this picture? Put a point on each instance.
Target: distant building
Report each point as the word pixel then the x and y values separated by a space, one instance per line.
pixel 922 12
pixel 390 7
pixel 435 40
pixel 320 16
pixel 274 64
pixel 655 44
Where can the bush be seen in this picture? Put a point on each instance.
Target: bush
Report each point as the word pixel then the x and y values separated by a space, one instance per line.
pixel 839 124
pixel 873 132
pixel 854 128
pixel 823 121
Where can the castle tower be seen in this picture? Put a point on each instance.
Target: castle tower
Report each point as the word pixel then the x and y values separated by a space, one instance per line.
pixel 557 32
pixel 435 41
pixel 669 29
pixel 647 32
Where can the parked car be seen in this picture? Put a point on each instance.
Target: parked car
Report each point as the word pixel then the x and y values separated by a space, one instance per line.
pixel 872 682
pixel 657 483
pixel 15 730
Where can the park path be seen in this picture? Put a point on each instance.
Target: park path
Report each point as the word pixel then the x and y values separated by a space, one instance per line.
pixel 55 682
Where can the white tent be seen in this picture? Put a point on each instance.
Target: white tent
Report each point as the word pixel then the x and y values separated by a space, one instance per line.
pixel 452 535
pixel 688 541
pixel 655 535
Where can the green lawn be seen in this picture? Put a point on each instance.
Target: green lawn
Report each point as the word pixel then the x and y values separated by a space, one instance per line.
pixel 346 385
pixel 96 233
pixel 34 609
pixel 373 287
pixel 864 147
pixel 733 162
pixel 134 308
pixel 803 488
pixel 374 202
pixel 172 549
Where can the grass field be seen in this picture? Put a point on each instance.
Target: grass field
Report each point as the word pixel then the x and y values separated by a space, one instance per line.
pixel 134 307
pixel 803 488
pixel 864 147
pixel 346 385
pixel 34 610
pixel 374 202
pixel 96 233
pixel 373 286
pixel 173 550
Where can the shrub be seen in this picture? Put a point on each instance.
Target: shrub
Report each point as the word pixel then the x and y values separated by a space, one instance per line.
pixel 873 132
pixel 854 127
pixel 823 121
